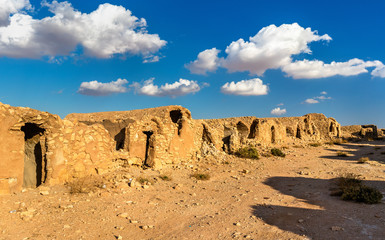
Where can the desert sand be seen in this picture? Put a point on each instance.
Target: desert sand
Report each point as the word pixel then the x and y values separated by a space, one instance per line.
pixel 268 198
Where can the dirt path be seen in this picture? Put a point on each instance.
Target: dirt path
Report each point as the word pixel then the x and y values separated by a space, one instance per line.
pixel 270 198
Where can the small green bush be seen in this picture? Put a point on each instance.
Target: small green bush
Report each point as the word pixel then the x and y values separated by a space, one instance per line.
pixel 248 152
pixel 201 176
pixel 352 189
pixel 363 160
pixel 165 177
pixel 342 154
pixel 277 152
pixel 142 180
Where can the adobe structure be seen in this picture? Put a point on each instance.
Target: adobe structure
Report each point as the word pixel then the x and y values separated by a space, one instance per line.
pixel 41 148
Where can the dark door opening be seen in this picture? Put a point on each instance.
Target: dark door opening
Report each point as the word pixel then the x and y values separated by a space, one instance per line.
pixel 150 150
pixel 298 134
pixel 254 129
pixel 272 134
pixel 120 138
pixel 176 117
pixel 35 167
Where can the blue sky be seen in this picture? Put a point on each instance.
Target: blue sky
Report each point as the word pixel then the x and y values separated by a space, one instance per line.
pixel 88 56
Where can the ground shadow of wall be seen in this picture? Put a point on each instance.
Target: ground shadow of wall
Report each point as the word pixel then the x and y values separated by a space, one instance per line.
pixel 316 214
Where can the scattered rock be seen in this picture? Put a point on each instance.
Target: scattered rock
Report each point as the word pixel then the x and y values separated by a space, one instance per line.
pixel 336 228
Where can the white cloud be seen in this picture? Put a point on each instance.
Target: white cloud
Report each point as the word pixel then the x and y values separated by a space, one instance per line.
pixel 102 33
pixel 311 101
pixel 379 71
pixel 324 93
pixel 207 61
pixel 252 87
pixel 323 98
pixel 95 88
pixel 307 69
pixel 8 7
pixel 179 88
pixel 271 48
pixel 274 47
pixel 278 111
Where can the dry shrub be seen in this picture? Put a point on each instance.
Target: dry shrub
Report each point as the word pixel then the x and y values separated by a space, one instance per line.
pixel 277 152
pixel 248 152
pixel 315 144
pixel 363 160
pixel 342 154
pixel 201 176
pixel 351 188
pixel 337 141
pixel 86 184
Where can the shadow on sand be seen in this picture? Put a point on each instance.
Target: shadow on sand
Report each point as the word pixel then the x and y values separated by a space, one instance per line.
pixel 316 214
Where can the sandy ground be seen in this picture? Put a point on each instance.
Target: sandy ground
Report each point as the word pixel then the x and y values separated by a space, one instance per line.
pixel 269 198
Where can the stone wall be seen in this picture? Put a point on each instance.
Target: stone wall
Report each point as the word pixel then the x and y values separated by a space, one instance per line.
pixel 148 137
pixel 230 134
pixel 38 147
pixel 363 132
pixel 41 148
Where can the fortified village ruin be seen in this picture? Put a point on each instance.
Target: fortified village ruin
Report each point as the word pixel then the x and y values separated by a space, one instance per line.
pixel 41 148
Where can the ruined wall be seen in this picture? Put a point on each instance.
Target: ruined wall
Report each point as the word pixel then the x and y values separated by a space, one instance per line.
pixel 150 137
pixel 362 131
pixel 38 147
pixel 230 134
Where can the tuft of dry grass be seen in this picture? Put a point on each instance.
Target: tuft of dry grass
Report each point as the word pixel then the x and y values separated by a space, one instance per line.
pixel 363 160
pixel 315 144
pixel 201 176
pixel 337 141
pixel 85 184
pixel 342 154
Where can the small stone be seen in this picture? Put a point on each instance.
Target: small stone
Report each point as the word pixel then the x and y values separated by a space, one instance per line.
pixel 66 226
pixel 336 228
pixel 247 236
pixel 144 227
pixel 133 221
pixel 118 237
pixel 301 220
pixel 123 215
pixel 44 193
pixel 145 186
pixel 237 224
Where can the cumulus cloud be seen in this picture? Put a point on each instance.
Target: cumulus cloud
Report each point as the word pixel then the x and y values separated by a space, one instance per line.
pixel 207 61
pixel 306 69
pixel 178 88
pixel 317 99
pixel 271 48
pixel 8 7
pixel 102 33
pixel 274 47
pixel 379 71
pixel 278 111
pixel 95 88
pixel 252 87
pixel 311 101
